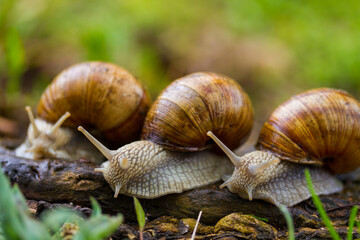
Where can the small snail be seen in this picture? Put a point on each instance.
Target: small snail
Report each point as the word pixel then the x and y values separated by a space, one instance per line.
pixel 98 95
pixel 178 122
pixel 318 129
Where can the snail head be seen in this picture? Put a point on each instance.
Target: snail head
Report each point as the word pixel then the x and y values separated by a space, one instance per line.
pixel 45 138
pixel 251 170
pixel 114 168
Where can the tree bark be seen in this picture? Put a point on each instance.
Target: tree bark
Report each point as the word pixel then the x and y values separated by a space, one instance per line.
pixel 57 181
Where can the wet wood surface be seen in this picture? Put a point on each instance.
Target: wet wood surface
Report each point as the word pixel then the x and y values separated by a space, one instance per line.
pixel 54 181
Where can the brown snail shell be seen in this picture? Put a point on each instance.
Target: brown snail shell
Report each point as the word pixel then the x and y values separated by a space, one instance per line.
pixel 98 95
pixel 192 105
pixel 321 126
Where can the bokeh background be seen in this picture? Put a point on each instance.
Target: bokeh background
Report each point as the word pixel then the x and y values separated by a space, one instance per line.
pixel 273 48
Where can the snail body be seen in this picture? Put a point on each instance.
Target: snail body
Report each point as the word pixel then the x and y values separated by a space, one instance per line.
pixel 166 160
pixel 101 96
pixel 319 130
pixel 147 170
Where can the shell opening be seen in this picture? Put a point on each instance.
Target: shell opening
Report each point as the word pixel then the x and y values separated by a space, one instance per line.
pixel 59 123
pixel 254 170
pixel 233 157
pixel 32 120
pixel 104 150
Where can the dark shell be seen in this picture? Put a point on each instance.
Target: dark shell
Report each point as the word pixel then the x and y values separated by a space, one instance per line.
pixel 320 126
pixel 98 95
pixel 189 107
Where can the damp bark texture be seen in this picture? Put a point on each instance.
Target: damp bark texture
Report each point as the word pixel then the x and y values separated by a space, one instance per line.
pixel 59 181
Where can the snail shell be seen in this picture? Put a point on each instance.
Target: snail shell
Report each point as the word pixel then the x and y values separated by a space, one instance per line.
pixel 181 116
pixel 318 129
pixel 320 126
pixel 185 109
pixel 98 95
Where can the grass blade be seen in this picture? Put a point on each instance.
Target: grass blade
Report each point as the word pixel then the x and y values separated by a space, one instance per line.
pixel 98 227
pixel 140 214
pixel 320 208
pixel 96 209
pixel 289 221
pixel 352 222
pixel 15 221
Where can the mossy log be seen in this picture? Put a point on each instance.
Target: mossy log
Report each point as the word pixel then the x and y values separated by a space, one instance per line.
pixel 58 181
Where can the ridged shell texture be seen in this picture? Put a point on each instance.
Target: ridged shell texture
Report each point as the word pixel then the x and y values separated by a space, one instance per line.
pixel 98 95
pixel 189 107
pixel 318 126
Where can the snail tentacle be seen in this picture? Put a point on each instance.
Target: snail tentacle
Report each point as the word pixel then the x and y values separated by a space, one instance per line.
pixel 117 190
pixel 58 124
pixel 249 192
pixel 226 182
pixel 32 121
pixel 256 169
pixel 104 150
pixel 232 156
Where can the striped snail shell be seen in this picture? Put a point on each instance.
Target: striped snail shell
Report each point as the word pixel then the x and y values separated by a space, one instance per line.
pixel 181 116
pixel 317 129
pixel 176 124
pixel 98 95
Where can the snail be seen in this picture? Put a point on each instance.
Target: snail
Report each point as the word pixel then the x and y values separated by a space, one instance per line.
pixel 172 155
pixel 98 95
pixel 318 129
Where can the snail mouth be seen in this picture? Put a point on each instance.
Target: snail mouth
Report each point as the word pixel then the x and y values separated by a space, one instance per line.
pixel 37 149
pixel 40 151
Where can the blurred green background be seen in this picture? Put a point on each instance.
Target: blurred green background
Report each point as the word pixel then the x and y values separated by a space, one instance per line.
pixel 273 48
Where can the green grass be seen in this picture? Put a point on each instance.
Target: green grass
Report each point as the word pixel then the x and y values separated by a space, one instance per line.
pixel 322 213
pixel 289 221
pixel 352 217
pixel 320 208
pixel 260 218
pixel 16 222
pixel 140 214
